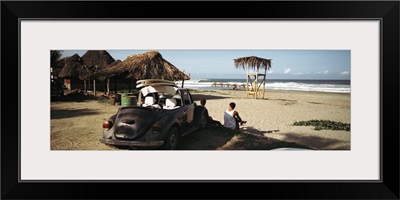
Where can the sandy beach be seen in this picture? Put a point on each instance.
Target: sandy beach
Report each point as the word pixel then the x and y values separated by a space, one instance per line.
pixel 280 109
pixel 76 125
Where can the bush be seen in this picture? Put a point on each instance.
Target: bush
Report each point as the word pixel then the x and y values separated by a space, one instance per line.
pixel 324 125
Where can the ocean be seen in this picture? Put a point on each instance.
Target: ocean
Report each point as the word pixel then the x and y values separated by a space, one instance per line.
pixel 335 86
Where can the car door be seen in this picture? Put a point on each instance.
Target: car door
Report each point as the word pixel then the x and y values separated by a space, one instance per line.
pixel 188 111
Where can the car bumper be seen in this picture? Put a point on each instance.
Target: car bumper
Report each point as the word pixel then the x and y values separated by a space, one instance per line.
pixel 131 143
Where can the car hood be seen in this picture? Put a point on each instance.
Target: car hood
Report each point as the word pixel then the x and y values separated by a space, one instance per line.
pixel 133 122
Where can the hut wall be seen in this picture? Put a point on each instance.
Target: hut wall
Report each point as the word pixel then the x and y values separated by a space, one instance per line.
pixel 75 83
pixel 67 83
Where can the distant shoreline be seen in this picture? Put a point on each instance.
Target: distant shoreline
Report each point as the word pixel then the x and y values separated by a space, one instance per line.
pixel 266 91
pixel 332 86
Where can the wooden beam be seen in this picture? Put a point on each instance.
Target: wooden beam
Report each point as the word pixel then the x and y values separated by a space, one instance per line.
pixel 84 85
pixel 94 87
pixel 108 86
pixel 264 84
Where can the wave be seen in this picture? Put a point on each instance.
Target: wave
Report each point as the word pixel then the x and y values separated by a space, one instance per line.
pixel 338 86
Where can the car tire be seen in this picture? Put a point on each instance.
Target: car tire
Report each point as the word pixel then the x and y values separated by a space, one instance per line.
pixel 173 139
pixel 204 119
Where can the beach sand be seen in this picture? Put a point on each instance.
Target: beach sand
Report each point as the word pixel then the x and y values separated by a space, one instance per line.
pixel 76 125
pixel 280 109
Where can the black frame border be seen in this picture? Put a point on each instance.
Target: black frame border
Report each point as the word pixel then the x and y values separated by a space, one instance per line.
pixel 386 11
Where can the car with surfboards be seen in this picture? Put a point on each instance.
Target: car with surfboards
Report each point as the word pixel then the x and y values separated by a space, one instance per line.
pixel 162 115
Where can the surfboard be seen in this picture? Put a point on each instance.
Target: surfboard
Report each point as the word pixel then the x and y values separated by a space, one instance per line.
pixel 155 84
pixel 148 81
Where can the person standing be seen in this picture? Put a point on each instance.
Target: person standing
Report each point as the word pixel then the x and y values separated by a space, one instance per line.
pixel 232 118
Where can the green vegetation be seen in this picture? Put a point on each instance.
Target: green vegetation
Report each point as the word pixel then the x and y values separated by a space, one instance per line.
pixel 103 99
pixel 324 125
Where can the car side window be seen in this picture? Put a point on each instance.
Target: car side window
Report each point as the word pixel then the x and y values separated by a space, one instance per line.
pixel 186 97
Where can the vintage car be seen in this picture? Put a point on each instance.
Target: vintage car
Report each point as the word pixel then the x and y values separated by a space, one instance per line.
pixel 163 114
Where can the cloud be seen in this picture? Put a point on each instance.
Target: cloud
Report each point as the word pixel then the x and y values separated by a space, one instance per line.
pixel 270 72
pixel 298 73
pixel 345 73
pixel 287 70
pixel 324 72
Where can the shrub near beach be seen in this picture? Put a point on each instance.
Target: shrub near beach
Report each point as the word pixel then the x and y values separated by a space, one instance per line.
pixel 324 125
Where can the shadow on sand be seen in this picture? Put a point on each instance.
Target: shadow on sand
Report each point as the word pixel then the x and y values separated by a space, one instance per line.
pixel 319 142
pixel 78 98
pixel 60 114
pixel 210 138
pixel 221 138
pixel 198 97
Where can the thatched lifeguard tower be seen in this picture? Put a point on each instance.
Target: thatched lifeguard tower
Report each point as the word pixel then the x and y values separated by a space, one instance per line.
pixel 255 79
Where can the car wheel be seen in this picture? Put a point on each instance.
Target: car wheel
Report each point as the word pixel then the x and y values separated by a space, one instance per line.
pixel 173 139
pixel 204 119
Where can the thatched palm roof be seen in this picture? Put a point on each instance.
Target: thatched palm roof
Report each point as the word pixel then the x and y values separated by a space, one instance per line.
pixel 252 62
pixel 96 60
pixel 149 65
pixel 99 59
pixel 72 66
pixel 102 78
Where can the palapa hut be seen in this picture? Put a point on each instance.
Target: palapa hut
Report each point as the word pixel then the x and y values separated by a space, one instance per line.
pixel 73 71
pixel 55 55
pixel 149 65
pixel 96 60
pixel 255 79
pixel 102 78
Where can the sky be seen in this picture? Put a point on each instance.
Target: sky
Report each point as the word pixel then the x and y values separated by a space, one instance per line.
pixel 286 64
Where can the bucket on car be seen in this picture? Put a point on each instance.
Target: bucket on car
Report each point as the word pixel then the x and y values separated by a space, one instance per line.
pixel 128 99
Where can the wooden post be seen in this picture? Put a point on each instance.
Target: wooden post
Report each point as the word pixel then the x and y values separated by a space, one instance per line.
pixel 265 76
pixel 84 85
pixel 183 78
pixel 264 85
pixel 256 85
pixel 108 86
pixel 247 85
pixel 94 87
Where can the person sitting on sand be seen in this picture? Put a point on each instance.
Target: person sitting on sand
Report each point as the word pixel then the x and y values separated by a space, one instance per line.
pixel 210 119
pixel 232 118
pixel 203 102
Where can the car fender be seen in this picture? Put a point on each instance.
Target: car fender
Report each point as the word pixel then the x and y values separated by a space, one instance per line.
pixel 166 122
pixel 109 133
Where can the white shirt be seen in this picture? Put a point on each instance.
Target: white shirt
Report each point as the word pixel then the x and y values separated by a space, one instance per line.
pixel 229 120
